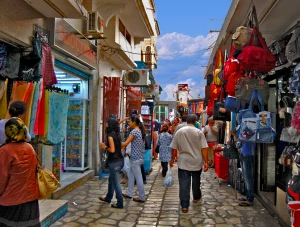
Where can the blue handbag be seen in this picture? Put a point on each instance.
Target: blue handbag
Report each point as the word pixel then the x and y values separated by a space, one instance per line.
pixel 255 128
pixel 232 104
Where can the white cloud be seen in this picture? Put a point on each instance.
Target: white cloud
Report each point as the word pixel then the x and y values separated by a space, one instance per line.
pixel 194 70
pixel 169 91
pixel 174 45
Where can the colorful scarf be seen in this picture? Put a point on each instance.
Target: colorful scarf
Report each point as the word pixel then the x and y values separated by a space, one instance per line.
pixel 15 130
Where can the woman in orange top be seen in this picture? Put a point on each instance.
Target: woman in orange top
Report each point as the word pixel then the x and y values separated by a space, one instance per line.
pixel 18 185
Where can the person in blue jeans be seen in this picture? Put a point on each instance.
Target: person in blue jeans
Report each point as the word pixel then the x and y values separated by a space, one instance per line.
pixel 247 163
pixel 115 162
pixel 137 140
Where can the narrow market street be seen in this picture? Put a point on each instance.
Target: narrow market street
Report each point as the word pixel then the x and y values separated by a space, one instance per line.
pixel 217 207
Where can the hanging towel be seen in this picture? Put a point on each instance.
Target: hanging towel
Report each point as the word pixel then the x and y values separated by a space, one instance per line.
pixel 46 122
pixel 48 73
pixel 3 102
pixel 28 100
pixel 19 92
pixel 34 108
pixel 40 112
pixel 58 111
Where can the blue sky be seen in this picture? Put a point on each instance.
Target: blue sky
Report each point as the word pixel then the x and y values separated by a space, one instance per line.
pixel 184 28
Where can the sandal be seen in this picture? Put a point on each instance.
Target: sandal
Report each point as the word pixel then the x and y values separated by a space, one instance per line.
pixel 245 204
pixel 104 199
pixel 116 206
pixel 138 200
pixel 243 199
pixel 126 196
pixel 185 210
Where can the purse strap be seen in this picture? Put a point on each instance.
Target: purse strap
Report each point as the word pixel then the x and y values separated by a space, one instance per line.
pixel 255 32
pixel 255 94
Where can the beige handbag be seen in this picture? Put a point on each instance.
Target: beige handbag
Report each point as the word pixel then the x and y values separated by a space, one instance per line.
pixel 241 37
pixel 47 182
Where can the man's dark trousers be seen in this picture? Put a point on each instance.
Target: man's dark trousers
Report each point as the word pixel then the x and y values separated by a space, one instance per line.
pixel 184 177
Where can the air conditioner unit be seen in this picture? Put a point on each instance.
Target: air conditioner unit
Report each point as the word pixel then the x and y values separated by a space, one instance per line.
pixel 95 23
pixel 137 78
pixel 59 8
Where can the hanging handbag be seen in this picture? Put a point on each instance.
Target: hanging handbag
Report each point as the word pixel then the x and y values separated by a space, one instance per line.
pixel 46 181
pixel 230 150
pixel 231 104
pixel 220 112
pixel 255 58
pixel 241 37
pixel 256 128
pixel 245 86
pixel 104 159
pixel 292 50
pixel 232 81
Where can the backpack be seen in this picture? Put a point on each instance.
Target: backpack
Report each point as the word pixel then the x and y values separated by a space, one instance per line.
pixel 292 50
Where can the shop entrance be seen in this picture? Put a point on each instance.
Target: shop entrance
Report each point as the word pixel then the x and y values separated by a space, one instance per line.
pixel 71 157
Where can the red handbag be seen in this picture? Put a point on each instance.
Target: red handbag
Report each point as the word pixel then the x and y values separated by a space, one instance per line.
pixel 230 66
pixel 230 88
pixel 215 92
pixel 256 58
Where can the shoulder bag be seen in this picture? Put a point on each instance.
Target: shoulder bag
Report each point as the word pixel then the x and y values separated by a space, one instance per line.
pixel 256 58
pixel 230 150
pixel 46 181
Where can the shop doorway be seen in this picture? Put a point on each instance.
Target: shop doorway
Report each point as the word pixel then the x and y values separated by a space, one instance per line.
pixel 71 158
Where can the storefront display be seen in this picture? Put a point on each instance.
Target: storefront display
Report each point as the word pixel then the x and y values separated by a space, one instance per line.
pixel 76 154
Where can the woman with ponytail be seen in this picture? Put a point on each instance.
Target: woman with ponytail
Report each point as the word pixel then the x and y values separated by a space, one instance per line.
pixel 137 140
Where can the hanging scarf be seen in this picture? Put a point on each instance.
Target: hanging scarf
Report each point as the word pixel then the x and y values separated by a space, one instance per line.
pixel 15 130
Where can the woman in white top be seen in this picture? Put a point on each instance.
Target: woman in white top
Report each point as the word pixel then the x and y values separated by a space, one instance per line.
pixel 16 109
pixel 211 133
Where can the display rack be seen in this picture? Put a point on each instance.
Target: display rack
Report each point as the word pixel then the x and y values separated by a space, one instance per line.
pixel 76 143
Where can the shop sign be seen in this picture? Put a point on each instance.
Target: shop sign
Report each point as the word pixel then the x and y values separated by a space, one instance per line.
pixel 68 39
pixel 183 87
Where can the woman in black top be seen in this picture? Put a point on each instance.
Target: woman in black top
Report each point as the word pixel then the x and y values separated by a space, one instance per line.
pixel 115 162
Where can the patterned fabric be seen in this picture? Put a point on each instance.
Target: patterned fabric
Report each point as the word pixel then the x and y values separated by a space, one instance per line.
pixel 164 141
pixel 39 127
pixel 12 66
pixel 48 73
pixel 15 130
pixel 37 49
pixel 3 55
pixel 137 145
pixel 58 110
pixel 28 100
pixel 34 108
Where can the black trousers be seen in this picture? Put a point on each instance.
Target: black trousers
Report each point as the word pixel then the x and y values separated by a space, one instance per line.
pixel 184 177
pixel 164 166
pixel 143 173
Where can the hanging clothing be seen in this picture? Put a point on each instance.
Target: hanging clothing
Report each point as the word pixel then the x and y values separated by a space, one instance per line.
pixel 12 66
pixel 3 55
pixel 39 127
pixel 19 92
pixel 28 100
pixel 58 111
pixel 3 102
pixel 37 50
pixel 48 73
pixel 34 108
pixel 46 123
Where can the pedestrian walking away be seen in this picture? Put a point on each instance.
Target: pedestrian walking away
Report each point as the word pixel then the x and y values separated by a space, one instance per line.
pixel 115 162
pixel 19 191
pixel 165 154
pixel 156 129
pixel 137 140
pixel 192 148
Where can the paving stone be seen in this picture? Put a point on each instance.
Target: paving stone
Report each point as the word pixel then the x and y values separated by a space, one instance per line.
pixel 218 206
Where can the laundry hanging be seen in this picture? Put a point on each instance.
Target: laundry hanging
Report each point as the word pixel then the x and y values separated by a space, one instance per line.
pixel 28 100
pixel 48 73
pixel 58 111
pixel 39 127
pixel 34 108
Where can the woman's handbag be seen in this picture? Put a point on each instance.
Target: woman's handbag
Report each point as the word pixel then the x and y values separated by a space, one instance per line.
pixel 241 37
pixel 231 104
pixel 256 58
pixel 230 150
pixel 104 159
pixel 47 182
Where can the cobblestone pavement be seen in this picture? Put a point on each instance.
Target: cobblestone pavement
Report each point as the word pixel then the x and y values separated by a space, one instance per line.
pixel 218 206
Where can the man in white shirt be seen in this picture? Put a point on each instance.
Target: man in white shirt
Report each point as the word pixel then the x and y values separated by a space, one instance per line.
pixel 192 148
